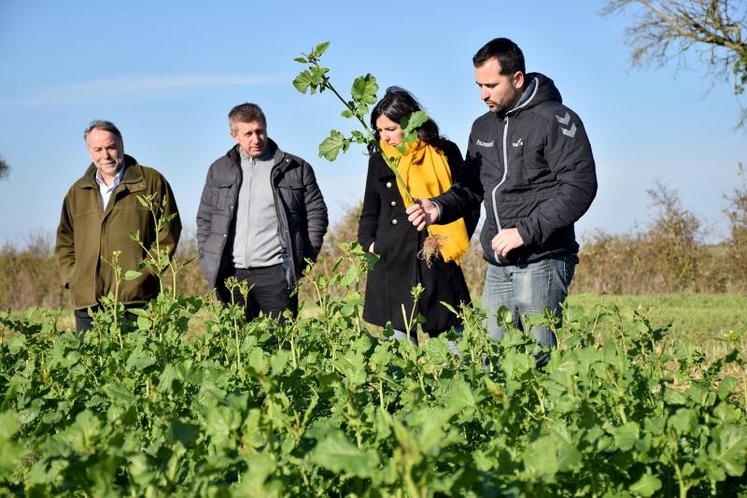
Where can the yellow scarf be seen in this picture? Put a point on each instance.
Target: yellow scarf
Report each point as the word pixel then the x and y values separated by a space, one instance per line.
pixel 426 173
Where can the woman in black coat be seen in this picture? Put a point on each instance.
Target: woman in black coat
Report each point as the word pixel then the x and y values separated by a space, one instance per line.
pixel 385 230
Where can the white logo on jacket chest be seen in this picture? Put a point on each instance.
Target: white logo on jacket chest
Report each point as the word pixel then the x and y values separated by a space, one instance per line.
pixel 518 143
pixel 485 144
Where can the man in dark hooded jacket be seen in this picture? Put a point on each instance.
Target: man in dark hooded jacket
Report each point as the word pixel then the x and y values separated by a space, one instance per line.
pixel 536 177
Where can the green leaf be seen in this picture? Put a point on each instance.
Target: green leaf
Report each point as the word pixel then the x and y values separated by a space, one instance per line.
pixel 504 316
pixel 683 421
pixel 449 307
pixel 331 145
pixel 647 485
pixel 119 394
pixel 132 275
pixel 317 78
pixel 220 423
pixel 516 364
pixel 431 424
pixel 730 449
pixel 361 138
pixel 727 413
pixel 278 362
pixel 413 121
pixel 540 459
pixel 12 453
pixel 568 457
pixel 437 351
pixel 16 344
pixel 319 50
pixel 186 433
pixel 370 259
pixel 674 397
pixel 727 387
pixel 302 60
pixel 626 436
pixel 9 425
pixel 258 361
pixel 139 312
pixel 253 483
pixel 364 89
pixel 337 454
pixel 140 360
pixel 81 435
pixel 303 81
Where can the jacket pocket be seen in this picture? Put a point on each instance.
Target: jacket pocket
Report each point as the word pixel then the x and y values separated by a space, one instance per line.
pixel 221 195
pixel 293 198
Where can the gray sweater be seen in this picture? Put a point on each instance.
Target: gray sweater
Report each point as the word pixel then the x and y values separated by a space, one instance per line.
pixel 257 243
pixel 301 213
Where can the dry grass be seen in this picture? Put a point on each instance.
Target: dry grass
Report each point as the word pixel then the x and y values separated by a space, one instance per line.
pixel 665 256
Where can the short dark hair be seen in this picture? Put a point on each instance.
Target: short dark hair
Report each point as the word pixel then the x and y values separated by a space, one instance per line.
pixel 100 124
pixel 246 113
pixel 508 53
pixel 396 104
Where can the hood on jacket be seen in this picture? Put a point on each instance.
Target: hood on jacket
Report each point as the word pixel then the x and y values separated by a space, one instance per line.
pixel 539 89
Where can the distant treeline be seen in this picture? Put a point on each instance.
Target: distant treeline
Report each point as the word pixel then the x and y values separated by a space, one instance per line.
pixel 667 255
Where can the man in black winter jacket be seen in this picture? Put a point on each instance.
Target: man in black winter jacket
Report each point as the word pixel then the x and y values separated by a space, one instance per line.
pixel 536 177
pixel 261 216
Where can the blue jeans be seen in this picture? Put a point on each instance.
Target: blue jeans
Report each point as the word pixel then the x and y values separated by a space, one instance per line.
pixel 528 288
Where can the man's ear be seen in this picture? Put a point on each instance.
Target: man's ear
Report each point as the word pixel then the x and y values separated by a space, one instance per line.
pixel 518 79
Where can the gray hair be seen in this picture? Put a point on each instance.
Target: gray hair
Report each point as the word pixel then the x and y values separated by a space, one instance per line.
pixel 246 113
pixel 100 124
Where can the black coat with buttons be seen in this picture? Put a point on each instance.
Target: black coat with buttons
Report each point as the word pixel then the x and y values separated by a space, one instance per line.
pixel 299 205
pixel 384 223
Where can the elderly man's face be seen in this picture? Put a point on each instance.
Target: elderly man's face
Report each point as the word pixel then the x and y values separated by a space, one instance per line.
pixel 106 151
pixel 251 137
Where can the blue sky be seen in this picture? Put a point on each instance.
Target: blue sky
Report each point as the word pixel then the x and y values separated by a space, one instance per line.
pixel 167 74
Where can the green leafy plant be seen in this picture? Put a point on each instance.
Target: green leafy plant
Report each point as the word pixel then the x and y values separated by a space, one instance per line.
pixel 158 259
pixel 319 406
pixel 315 79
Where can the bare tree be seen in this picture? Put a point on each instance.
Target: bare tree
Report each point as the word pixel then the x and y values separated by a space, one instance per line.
pixel 4 168
pixel 669 29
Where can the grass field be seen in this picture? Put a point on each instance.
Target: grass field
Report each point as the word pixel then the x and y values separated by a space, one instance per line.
pixel 702 319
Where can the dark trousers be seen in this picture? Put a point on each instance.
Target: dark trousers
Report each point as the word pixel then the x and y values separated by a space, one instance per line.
pixel 268 291
pixel 84 321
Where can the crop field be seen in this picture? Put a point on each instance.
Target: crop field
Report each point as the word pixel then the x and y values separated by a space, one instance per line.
pixel 190 401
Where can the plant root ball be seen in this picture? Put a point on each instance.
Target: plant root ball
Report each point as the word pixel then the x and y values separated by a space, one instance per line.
pixel 431 249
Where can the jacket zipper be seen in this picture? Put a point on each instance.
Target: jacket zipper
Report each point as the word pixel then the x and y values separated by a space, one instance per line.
pixel 505 172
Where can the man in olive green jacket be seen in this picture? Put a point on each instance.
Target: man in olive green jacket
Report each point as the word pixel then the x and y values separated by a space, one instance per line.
pixel 99 213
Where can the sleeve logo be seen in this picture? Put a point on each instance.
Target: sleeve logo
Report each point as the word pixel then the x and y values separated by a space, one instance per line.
pixel 568 132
